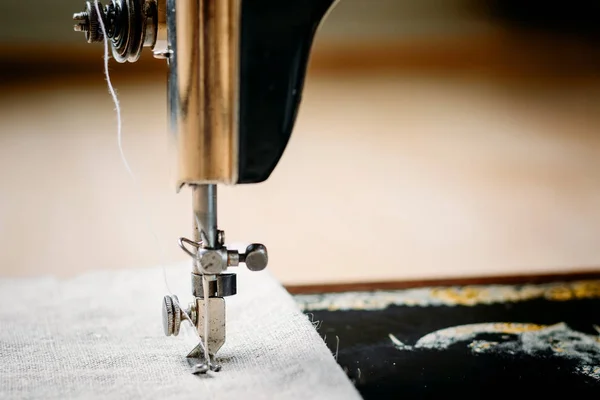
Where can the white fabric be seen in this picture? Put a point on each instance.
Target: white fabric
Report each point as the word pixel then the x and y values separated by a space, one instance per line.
pixel 100 336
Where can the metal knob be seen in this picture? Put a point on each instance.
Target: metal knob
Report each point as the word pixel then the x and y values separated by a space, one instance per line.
pixel 173 315
pixel 130 25
pixel 256 257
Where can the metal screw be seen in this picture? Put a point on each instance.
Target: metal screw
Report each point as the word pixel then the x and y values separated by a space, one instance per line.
pixel 83 21
pixel 88 23
pixel 192 312
pixel 213 261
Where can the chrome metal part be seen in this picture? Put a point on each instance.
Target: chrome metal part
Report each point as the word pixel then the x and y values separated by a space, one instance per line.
pixel 216 323
pixel 204 89
pixel 171 316
pixel 223 285
pixel 211 261
pixel 161 44
pixel 184 242
pixel 256 257
pixel 199 364
pixel 204 203
pixel 202 368
pixel 171 49
pixel 233 258
pixel 221 237
pixel 130 25
pixel 168 316
pixel 215 261
pixel 192 313
pixel 87 22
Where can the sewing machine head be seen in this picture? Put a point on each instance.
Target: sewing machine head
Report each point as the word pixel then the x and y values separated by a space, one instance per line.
pixel 236 73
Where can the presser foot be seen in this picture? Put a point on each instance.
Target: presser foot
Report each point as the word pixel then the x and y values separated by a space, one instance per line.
pixel 212 336
pixel 200 366
pixel 210 284
pixel 214 317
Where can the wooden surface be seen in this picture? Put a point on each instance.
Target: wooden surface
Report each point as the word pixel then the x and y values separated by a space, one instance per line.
pixel 400 285
pixel 388 177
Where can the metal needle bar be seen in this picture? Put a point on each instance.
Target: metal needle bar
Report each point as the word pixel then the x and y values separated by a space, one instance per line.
pixel 204 198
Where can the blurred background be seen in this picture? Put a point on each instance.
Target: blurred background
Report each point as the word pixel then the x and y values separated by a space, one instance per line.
pixel 436 139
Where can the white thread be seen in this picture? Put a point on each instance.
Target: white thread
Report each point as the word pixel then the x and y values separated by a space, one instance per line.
pixel 111 90
pixel 115 99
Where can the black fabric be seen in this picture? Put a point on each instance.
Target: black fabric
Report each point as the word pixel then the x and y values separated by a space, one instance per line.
pixel 389 373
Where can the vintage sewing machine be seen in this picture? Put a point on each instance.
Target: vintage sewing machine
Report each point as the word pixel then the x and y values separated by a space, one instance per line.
pixel 236 74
